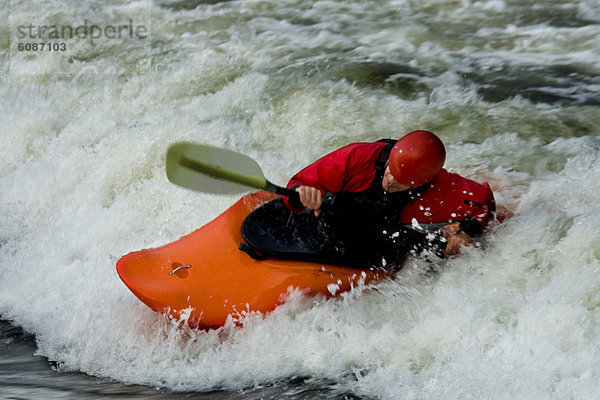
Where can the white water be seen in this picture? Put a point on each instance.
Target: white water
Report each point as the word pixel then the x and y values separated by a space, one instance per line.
pixel 511 88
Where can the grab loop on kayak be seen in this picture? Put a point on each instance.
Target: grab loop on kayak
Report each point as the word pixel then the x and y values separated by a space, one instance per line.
pixel 178 268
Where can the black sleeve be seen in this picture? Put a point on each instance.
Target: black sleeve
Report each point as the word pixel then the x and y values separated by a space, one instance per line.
pixel 471 227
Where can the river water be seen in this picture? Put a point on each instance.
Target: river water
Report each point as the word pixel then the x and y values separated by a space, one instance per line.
pixel 511 86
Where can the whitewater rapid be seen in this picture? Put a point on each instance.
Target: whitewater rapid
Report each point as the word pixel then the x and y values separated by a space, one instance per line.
pixel 512 89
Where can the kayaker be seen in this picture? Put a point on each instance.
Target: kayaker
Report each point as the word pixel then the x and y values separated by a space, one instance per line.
pixel 382 186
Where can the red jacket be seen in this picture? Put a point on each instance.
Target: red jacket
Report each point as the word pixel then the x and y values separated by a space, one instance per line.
pixel 449 198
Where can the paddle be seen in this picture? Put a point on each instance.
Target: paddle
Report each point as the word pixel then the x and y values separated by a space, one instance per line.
pixel 215 170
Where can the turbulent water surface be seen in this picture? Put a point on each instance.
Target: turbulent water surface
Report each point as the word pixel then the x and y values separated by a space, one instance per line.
pixel 511 86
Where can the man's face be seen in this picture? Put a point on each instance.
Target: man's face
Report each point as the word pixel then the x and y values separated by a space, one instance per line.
pixel 390 184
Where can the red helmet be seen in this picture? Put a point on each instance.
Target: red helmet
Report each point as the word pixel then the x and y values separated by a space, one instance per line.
pixel 417 158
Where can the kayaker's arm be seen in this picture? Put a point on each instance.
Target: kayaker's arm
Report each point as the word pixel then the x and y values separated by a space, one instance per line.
pixel 346 169
pixel 480 213
pixel 462 233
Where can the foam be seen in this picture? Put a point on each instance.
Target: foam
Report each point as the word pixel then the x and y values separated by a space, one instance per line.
pixel 82 182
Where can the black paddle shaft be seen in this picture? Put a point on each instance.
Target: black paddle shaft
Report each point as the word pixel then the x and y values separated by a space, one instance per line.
pixel 292 194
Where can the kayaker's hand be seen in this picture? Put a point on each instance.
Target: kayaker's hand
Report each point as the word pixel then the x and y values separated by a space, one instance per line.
pixel 454 242
pixel 310 198
pixel 454 239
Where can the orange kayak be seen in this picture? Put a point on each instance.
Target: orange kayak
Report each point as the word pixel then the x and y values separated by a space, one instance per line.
pixel 204 274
